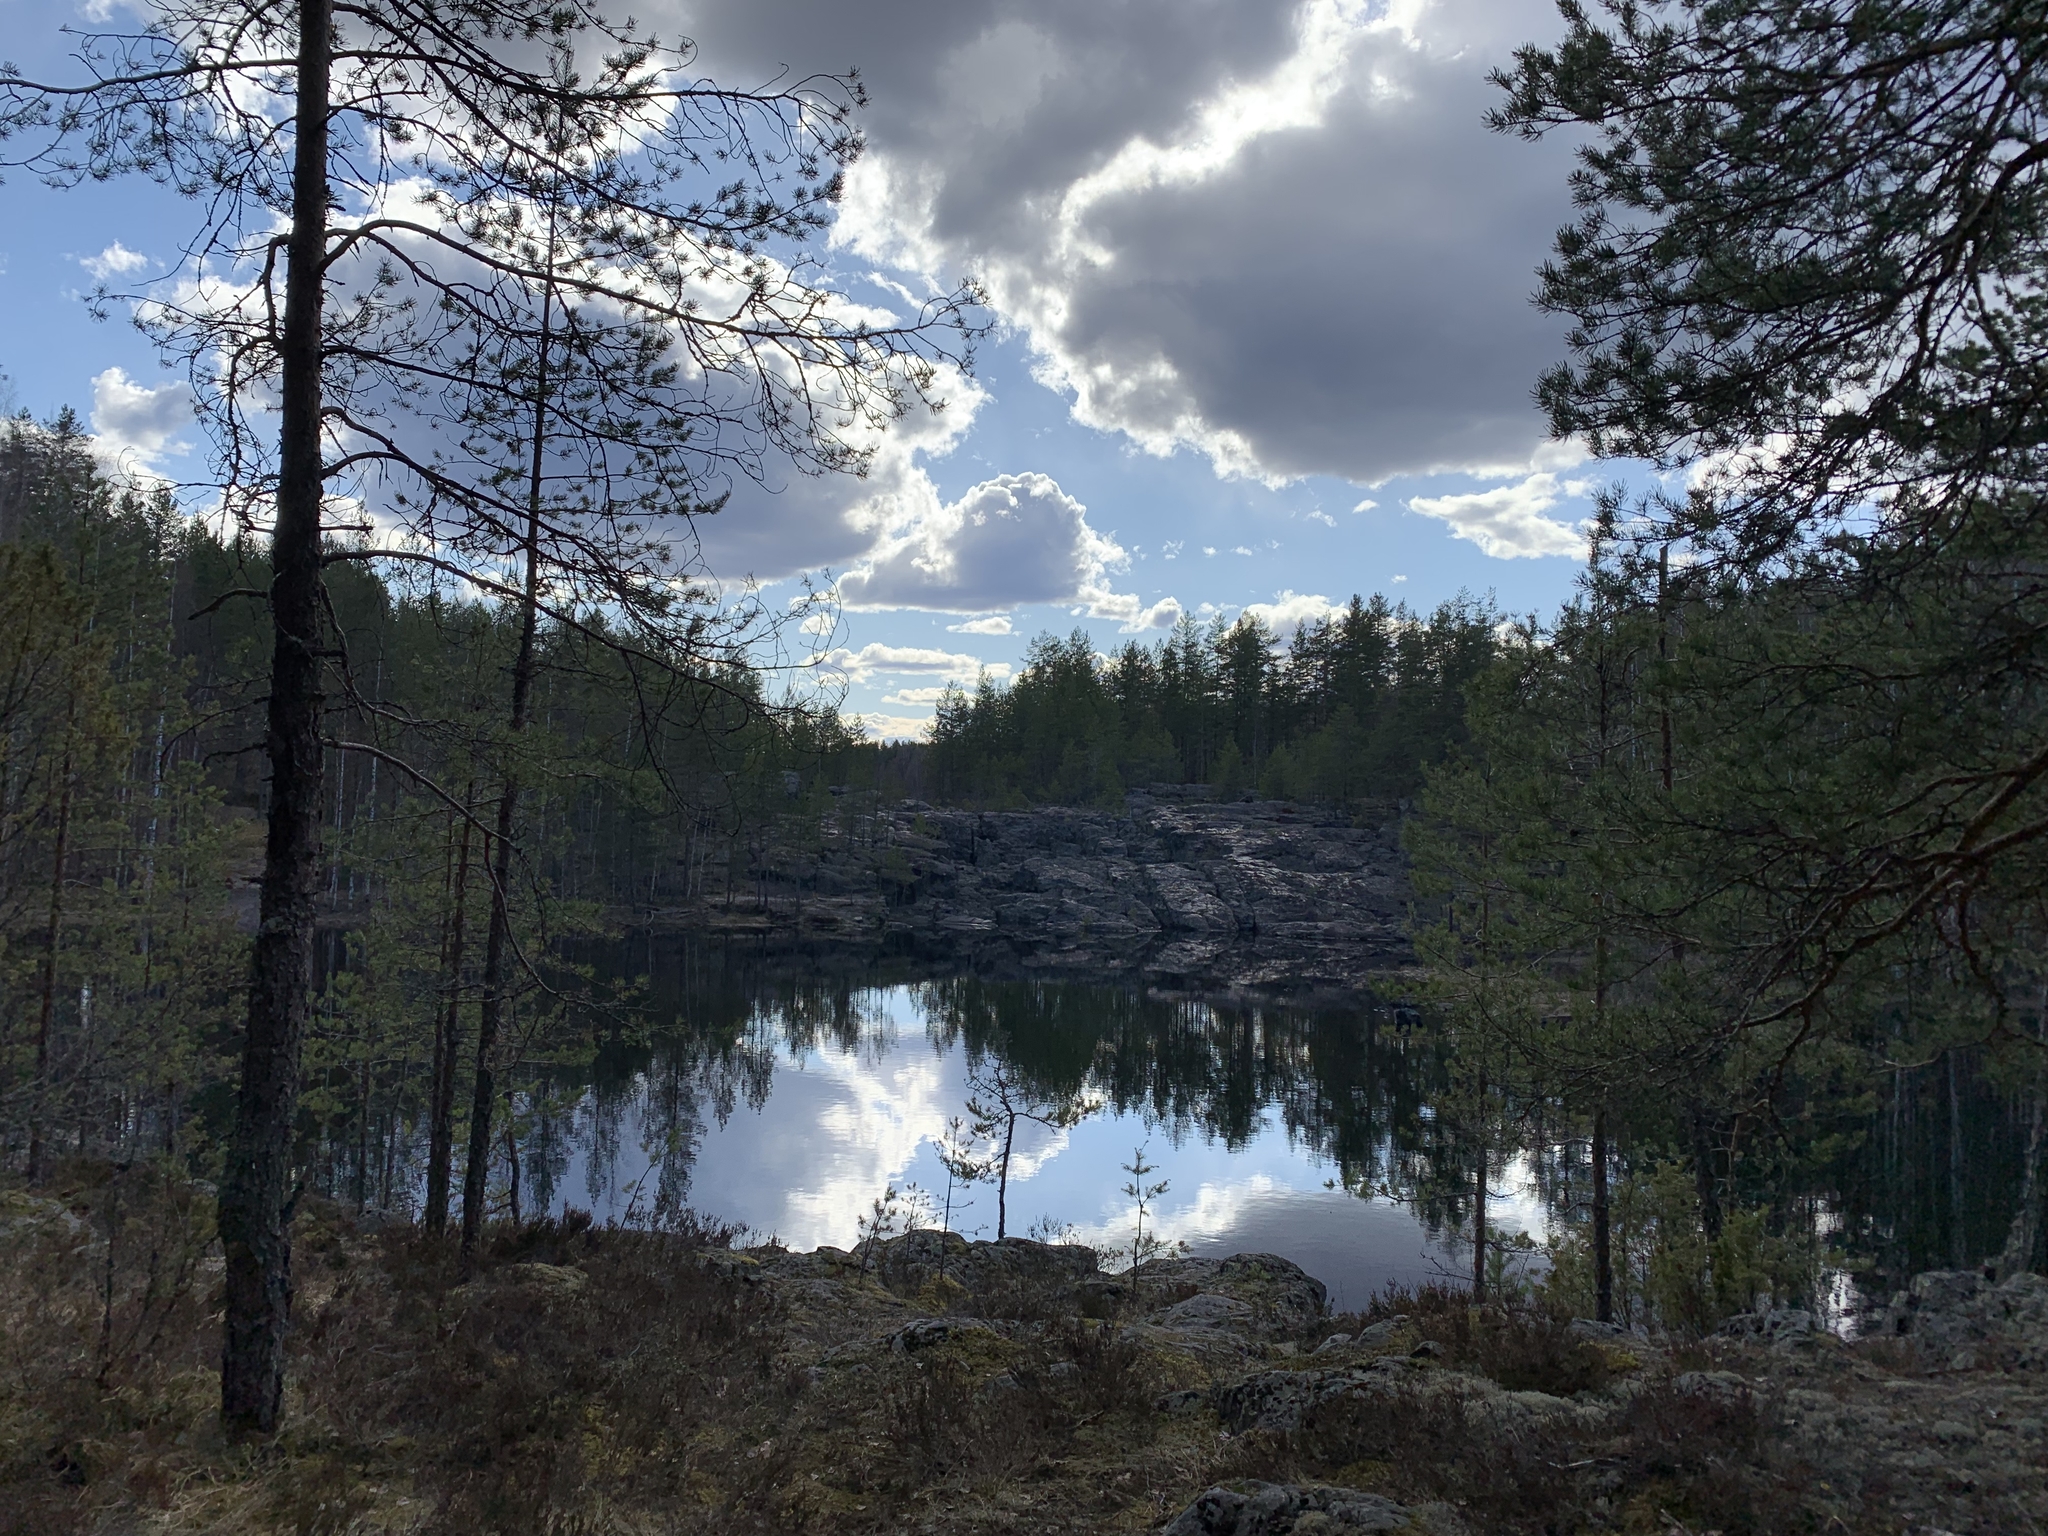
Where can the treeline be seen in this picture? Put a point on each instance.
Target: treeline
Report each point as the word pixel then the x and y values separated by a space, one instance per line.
pixel 1354 707
pixel 134 646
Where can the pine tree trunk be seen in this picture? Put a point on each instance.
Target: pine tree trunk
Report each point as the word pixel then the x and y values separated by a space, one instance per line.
pixel 1479 1201
pixel 1003 1182
pixel 497 948
pixel 447 1048
pixel 1958 1245
pixel 2024 1235
pixel 1703 1172
pixel 1603 1249
pixel 512 1157
pixel 254 1208
pixel 1479 1229
pixel 47 1006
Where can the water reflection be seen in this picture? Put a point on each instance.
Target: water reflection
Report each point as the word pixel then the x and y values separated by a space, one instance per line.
pixel 789 1102
pixel 790 1105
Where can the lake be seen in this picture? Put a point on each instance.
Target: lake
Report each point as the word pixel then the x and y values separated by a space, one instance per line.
pixel 788 1102
pixel 790 1105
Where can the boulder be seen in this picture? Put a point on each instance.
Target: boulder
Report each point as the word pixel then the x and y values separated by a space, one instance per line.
pixel 1381 1333
pixel 1207 1310
pixel 925 1332
pixel 1957 1318
pixel 1771 1325
pixel 1282 1295
pixel 908 1263
pixel 1282 1401
pixel 1287 1509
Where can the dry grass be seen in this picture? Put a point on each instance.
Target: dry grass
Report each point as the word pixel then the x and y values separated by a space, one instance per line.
pixel 590 1382
pixel 585 1381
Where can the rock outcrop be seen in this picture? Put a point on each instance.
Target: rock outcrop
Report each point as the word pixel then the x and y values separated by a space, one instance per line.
pixel 1288 1509
pixel 1267 899
pixel 1956 1318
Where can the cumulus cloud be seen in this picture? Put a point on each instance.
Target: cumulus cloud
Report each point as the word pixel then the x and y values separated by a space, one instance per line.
pixel 1366 505
pixel 1507 522
pixel 1009 541
pixel 115 261
pixel 801 522
pixel 910 698
pixel 1279 234
pixel 997 624
pixel 1290 610
pixel 896 727
pixel 910 660
pixel 135 425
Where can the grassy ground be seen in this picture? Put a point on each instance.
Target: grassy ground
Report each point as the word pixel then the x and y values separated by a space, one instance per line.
pixel 593 1382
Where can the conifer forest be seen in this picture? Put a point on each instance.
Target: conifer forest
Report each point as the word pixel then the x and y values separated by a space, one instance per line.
pixel 499 1033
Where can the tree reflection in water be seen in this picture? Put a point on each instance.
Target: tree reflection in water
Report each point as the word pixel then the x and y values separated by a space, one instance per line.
pixel 1365 1093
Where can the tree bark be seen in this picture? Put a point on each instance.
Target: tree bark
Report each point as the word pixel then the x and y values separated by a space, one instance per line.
pixel 1003 1182
pixel 1703 1172
pixel 47 1007
pixel 497 948
pixel 1603 1251
pixel 1479 1203
pixel 447 1048
pixel 255 1216
pixel 1958 1240
pixel 1479 1229
pixel 2024 1235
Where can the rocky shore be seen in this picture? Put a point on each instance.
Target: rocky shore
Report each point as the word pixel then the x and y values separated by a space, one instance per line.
pixel 1934 1421
pixel 583 1379
pixel 1261 899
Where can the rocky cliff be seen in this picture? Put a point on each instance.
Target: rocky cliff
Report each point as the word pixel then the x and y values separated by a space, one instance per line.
pixel 1263 899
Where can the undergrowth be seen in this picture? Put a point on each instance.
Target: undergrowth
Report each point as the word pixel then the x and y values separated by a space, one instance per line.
pixel 588 1381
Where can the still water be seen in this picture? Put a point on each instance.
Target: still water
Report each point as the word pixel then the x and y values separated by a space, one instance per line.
pixel 790 1106
pixel 788 1100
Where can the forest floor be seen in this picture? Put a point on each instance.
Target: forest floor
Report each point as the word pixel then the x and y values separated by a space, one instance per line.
pixel 595 1381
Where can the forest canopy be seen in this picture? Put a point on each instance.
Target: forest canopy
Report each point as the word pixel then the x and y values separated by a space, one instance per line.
pixel 1353 709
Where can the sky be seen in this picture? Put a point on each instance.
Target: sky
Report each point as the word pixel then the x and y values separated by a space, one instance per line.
pixel 1260 280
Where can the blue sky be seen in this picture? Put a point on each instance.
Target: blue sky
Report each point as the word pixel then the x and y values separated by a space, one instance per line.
pixel 1260 278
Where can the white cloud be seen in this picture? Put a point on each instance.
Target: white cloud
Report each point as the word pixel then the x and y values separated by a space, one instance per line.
pixel 909 661
pixel 1508 522
pixel 1366 505
pixel 1290 610
pixel 910 698
pixel 1208 549
pixel 803 522
pixel 1172 547
pixel 1009 541
pixel 134 425
pixel 1320 516
pixel 1115 179
pixel 1399 579
pixel 115 261
pixel 999 624
pixel 896 727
